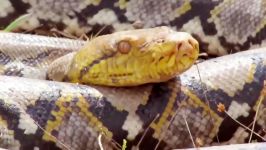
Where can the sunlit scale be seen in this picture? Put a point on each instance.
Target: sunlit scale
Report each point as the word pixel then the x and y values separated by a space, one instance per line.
pixel 134 57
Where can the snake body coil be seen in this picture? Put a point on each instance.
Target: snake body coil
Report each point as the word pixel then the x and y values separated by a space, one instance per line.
pixel 206 101
pixel 51 115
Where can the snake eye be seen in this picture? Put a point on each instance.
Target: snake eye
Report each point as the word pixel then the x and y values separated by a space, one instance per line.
pixel 123 47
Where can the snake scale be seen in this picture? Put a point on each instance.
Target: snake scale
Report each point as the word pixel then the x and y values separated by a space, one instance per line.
pixel 221 26
pixel 73 115
pixel 38 114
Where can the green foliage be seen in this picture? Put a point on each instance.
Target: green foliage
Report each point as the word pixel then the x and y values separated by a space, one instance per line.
pixel 16 22
pixel 124 146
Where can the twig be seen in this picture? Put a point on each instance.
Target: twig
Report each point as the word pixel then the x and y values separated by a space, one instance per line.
pixel 244 126
pixel 208 103
pixel 100 141
pixel 257 110
pixel 157 145
pixel 146 130
pixel 99 32
pixel 189 131
pixel 50 134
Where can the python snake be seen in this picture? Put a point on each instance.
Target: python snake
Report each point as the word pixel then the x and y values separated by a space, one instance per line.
pixel 146 116
pixel 50 115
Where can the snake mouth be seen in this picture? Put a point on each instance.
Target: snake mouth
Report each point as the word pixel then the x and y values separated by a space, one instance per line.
pixel 180 56
pixel 187 54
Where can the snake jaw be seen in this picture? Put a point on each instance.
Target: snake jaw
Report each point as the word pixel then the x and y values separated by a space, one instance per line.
pixel 173 57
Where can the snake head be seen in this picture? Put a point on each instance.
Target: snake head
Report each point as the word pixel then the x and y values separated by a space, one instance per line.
pixel 129 58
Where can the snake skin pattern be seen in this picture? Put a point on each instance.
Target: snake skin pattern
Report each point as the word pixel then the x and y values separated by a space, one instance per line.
pixel 221 26
pixel 39 114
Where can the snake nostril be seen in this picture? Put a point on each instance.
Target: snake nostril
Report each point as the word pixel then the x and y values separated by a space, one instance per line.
pixel 191 43
pixel 185 55
pixel 194 43
pixel 160 58
pixel 186 48
pixel 178 46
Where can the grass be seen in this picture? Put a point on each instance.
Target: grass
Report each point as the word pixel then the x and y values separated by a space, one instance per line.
pixel 14 24
pixel 124 146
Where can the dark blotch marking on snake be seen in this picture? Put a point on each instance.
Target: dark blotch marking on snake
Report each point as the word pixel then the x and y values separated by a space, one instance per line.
pixel 13 71
pixel 44 56
pixel 12 114
pixel 159 98
pixel 101 108
pixel 97 61
pixel 4 59
pixel 41 110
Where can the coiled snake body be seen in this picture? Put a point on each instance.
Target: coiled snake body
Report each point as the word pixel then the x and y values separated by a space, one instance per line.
pixel 48 114
pixel 38 114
